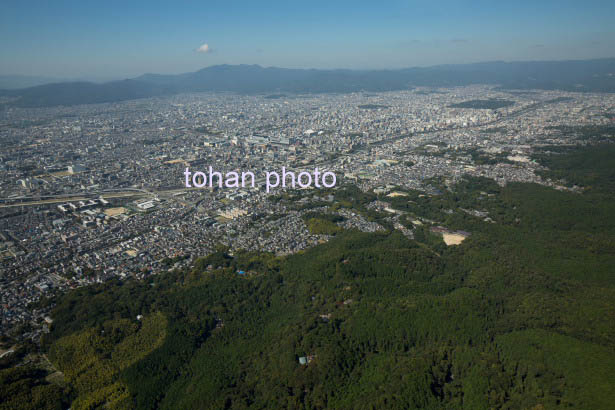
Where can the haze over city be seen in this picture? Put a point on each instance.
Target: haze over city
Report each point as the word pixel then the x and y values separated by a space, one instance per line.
pixel 307 205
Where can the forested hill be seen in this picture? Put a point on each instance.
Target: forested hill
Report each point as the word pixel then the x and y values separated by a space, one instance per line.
pixel 576 75
pixel 520 315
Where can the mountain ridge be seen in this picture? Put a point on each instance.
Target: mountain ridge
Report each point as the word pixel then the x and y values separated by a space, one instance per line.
pixel 596 75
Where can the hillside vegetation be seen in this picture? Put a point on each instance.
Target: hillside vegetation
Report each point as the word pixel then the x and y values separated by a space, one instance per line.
pixel 520 315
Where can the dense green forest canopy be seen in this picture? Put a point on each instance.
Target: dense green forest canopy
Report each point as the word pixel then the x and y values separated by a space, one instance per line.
pixel 492 104
pixel 520 315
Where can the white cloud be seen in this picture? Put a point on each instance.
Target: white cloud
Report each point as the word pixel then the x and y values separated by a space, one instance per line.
pixel 204 49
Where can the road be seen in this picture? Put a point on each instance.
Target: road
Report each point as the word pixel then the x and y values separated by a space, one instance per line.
pixel 136 192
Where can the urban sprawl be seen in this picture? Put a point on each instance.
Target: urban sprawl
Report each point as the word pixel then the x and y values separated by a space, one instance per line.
pixel 94 192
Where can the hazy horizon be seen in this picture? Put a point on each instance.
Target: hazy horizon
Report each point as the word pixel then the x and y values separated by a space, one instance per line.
pixel 45 79
pixel 113 41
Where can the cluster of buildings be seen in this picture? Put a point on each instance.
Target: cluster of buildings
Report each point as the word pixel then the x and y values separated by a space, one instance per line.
pixel 92 192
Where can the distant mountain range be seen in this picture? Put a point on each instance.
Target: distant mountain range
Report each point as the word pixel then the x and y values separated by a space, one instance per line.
pixel 12 82
pixel 575 75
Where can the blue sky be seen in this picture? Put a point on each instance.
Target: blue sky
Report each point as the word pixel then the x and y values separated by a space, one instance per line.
pixel 115 39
